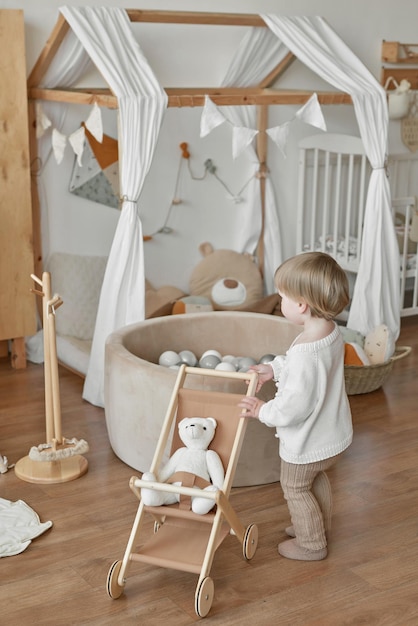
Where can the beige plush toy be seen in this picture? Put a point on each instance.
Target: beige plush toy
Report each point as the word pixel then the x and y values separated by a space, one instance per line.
pixel 379 344
pixel 228 279
pixel 160 301
pixel 376 347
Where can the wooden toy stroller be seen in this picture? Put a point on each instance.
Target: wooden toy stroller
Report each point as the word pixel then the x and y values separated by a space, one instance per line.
pixel 183 540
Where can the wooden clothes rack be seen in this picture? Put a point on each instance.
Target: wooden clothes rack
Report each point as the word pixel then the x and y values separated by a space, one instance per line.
pixel 59 459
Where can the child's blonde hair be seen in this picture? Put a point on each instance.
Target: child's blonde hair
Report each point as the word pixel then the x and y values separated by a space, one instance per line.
pixel 317 279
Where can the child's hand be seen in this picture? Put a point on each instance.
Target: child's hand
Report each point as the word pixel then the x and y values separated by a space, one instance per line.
pixel 264 371
pixel 251 406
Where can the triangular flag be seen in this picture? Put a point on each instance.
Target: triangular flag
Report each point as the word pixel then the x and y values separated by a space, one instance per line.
pixel 311 113
pixel 42 121
pixel 241 138
pixel 211 117
pixel 279 135
pixel 59 141
pixel 77 141
pixel 94 123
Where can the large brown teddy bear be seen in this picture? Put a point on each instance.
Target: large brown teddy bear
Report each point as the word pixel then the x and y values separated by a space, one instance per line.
pixel 228 281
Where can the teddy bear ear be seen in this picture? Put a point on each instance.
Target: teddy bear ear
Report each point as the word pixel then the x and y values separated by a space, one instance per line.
pixel 205 249
pixel 213 420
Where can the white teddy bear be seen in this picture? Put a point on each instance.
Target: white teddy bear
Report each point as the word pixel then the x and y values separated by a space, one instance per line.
pixel 195 458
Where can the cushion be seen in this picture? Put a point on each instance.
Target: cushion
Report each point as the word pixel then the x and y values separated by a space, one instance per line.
pixel 78 280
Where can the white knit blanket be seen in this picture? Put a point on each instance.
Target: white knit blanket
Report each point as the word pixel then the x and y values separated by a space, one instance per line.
pixel 19 524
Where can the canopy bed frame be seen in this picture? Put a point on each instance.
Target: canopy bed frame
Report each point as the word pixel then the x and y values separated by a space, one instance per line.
pixel 262 96
pixel 333 61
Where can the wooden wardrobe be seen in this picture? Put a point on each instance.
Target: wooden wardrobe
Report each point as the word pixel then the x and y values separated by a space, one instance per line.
pixel 17 303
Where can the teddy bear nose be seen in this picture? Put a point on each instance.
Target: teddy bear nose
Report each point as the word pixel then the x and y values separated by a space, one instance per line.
pixel 230 283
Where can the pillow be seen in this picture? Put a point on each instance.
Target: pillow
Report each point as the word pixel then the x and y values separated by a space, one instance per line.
pixel 78 280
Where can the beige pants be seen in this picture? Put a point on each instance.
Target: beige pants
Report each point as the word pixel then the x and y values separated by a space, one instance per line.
pixel 307 491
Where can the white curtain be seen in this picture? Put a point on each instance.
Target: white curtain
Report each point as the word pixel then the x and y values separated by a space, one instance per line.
pixel 257 55
pixel 107 36
pixel 376 293
pixel 68 65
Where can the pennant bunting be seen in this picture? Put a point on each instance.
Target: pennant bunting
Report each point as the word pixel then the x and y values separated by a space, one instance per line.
pixel 42 121
pixel 94 123
pixel 279 135
pixel 59 141
pixel 241 138
pixel 311 113
pixel 77 142
pixel 211 117
pixel 94 126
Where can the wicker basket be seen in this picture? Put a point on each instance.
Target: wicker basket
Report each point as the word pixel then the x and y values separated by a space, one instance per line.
pixel 366 378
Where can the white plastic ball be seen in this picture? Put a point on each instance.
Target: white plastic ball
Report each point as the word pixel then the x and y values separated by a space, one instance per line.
pixel 236 362
pixel 188 357
pixel 212 353
pixel 267 358
pixel 209 361
pixel 225 367
pixel 245 363
pixel 228 358
pixel 168 358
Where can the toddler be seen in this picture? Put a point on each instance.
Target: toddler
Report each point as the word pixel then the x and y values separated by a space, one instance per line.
pixel 310 410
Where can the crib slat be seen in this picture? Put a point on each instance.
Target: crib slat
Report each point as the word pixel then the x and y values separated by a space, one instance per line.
pixel 336 206
pixel 325 203
pixel 361 204
pixel 302 185
pixel 348 208
pixel 314 201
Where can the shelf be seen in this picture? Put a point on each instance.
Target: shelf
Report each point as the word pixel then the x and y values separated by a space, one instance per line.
pixel 400 61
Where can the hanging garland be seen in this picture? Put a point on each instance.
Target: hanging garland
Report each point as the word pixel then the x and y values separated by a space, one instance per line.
pixel 210 168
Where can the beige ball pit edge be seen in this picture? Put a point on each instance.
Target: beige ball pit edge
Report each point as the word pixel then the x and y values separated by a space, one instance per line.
pixel 138 390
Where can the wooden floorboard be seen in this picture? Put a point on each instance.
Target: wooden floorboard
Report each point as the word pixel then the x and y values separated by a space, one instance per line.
pixel 370 576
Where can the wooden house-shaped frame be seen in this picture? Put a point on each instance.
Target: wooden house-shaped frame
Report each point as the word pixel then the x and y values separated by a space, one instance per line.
pixel 263 95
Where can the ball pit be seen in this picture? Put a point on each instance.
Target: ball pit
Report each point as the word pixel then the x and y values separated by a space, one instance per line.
pixel 137 389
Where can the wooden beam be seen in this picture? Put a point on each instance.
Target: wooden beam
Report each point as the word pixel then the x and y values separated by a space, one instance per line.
pixel 103 97
pixel 194 17
pixel 45 58
pixel 194 96
pixel 243 96
pixel 277 71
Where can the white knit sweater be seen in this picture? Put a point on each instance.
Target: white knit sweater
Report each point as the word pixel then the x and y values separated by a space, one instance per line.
pixel 310 410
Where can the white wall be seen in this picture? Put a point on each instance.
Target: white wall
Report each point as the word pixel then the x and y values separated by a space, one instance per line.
pixel 182 56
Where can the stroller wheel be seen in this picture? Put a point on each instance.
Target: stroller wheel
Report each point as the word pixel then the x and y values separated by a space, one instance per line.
pixel 114 590
pixel 204 597
pixel 250 541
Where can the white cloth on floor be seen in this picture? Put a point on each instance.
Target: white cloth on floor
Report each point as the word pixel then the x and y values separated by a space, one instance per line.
pixel 19 524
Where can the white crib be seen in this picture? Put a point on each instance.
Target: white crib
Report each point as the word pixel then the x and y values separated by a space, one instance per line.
pixel 333 179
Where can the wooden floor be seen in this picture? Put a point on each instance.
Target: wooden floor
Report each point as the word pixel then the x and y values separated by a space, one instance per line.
pixel 370 576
